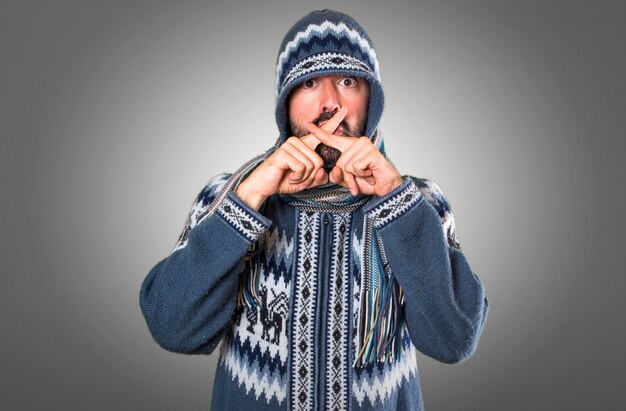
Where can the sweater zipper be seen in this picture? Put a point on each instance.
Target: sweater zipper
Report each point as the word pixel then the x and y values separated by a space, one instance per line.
pixel 320 377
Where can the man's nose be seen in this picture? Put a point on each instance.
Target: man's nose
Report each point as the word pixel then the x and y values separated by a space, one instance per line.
pixel 329 98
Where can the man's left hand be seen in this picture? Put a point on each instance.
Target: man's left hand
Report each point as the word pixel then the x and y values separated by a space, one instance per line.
pixel 361 167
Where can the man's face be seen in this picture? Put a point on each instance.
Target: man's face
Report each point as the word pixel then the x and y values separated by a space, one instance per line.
pixel 317 99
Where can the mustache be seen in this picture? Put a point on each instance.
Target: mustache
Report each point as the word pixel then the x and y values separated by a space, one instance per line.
pixel 327 115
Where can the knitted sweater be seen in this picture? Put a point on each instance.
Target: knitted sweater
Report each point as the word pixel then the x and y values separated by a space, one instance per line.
pixel 298 349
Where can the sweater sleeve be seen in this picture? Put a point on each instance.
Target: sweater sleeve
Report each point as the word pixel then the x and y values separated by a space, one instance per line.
pixel 189 297
pixel 444 301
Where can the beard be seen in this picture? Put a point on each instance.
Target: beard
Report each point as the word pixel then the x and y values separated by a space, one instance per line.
pixel 330 155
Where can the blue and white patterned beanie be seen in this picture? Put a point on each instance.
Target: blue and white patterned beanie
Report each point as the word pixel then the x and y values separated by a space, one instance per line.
pixel 323 43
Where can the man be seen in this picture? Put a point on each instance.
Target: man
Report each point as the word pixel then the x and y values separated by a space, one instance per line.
pixel 317 264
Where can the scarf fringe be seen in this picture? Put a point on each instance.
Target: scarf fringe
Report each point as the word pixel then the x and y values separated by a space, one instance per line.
pixel 249 284
pixel 378 332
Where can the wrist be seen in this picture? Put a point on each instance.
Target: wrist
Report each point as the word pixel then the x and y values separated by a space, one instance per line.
pixel 249 196
pixel 392 185
pixel 399 181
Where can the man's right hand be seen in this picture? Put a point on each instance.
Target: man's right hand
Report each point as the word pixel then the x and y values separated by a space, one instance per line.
pixel 293 167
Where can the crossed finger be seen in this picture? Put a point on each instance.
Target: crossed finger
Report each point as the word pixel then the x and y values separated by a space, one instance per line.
pixel 350 147
pixel 341 143
pixel 331 125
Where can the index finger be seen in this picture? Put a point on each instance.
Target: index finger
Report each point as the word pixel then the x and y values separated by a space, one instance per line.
pixel 341 143
pixel 310 140
pixel 330 126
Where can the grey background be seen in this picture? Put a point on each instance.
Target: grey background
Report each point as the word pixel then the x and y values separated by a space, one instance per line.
pixel 114 114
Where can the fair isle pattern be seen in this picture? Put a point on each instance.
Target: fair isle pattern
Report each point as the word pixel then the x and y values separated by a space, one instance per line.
pixel 336 61
pixel 357 250
pixel 338 317
pixel 322 30
pixel 252 379
pixel 258 338
pixel 263 323
pixel 377 387
pixel 199 208
pixel 390 209
pixel 302 365
pixel 434 195
pixel 278 247
pixel 357 253
pixel 240 219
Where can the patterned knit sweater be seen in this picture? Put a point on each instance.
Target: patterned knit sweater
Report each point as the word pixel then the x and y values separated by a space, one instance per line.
pixel 298 349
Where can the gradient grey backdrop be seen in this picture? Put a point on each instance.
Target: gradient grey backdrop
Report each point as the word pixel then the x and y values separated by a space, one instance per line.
pixel 115 113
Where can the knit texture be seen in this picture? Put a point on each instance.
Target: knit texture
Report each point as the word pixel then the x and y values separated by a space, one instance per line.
pixel 297 351
pixel 320 300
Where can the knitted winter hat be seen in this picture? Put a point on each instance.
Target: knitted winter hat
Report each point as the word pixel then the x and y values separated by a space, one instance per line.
pixel 323 43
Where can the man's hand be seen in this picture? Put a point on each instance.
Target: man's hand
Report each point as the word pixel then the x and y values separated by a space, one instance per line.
pixel 293 167
pixel 361 167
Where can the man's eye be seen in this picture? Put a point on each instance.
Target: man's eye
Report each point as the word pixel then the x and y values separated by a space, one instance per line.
pixel 348 82
pixel 308 83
